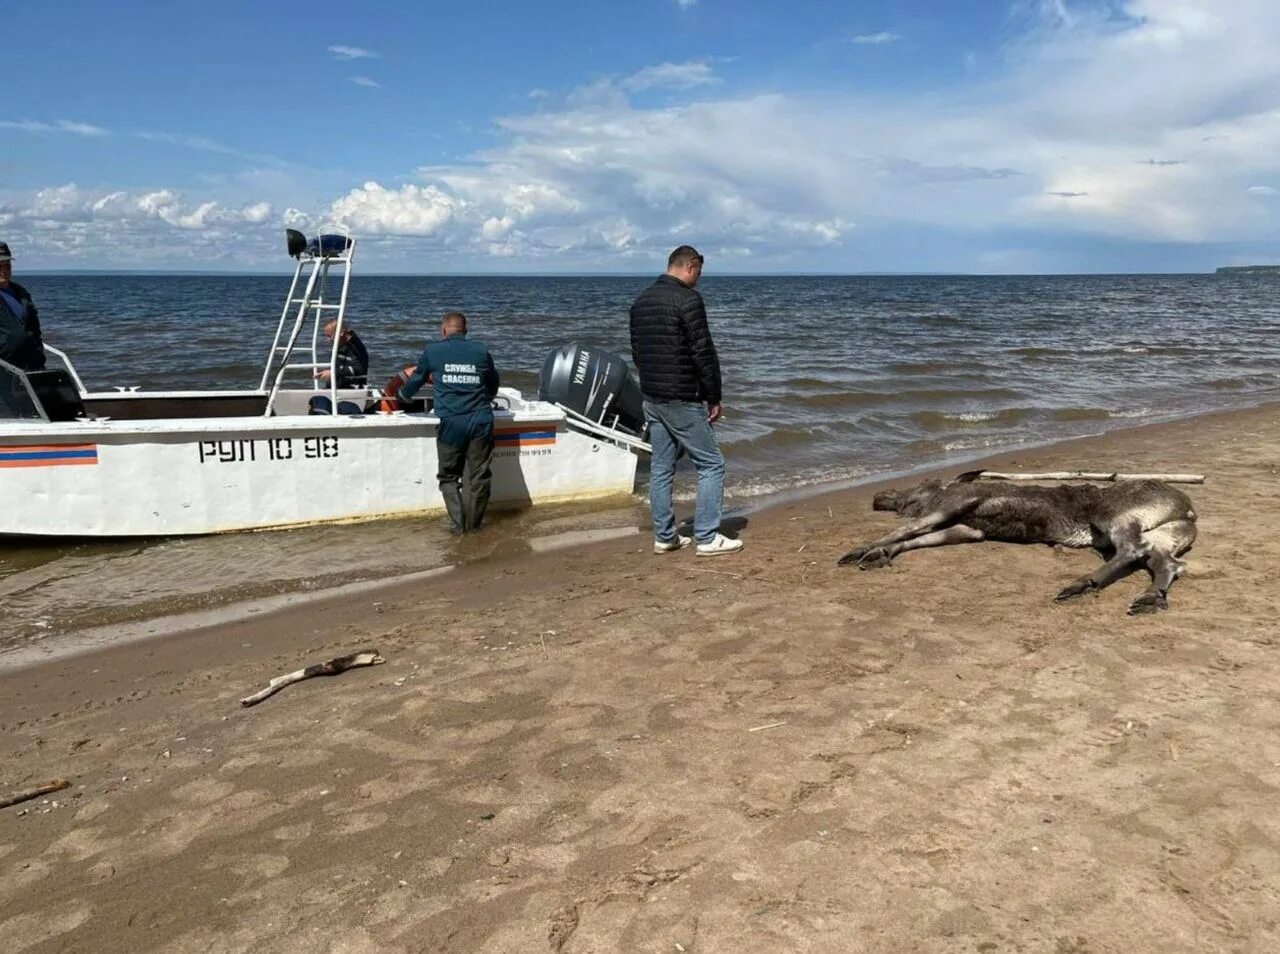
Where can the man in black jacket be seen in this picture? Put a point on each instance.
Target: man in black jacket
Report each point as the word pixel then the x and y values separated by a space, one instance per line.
pixel 353 358
pixel 680 377
pixel 20 341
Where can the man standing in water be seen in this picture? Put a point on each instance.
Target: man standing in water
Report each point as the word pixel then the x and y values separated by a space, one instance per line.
pixel 465 381
pixel 680 377
pixel 21 343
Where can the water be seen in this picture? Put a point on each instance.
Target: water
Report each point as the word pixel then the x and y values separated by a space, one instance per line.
pixel 826 379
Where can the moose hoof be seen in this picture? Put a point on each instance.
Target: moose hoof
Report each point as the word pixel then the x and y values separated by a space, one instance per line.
pixel 874 559
pixel 1148 603
pixel 1074 590
pixel 853 556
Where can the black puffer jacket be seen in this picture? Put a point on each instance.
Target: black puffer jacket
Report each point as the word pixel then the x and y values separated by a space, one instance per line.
pixel 671 344
pixel 20 339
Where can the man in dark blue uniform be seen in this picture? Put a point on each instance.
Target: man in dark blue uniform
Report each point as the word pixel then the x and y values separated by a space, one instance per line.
pixel 465 381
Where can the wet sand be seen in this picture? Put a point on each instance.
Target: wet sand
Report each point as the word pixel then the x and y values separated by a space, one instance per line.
pixel 600 749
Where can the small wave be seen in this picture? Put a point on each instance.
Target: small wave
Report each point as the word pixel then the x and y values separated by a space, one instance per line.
pixel 1239 384
pixel 1038 353
pixel 768 486
pixel 805 384
pixel 923 367
pixel 1133 412
pixel 778 439
pixel 949 420
pixel 975 443
pixel 1081 414
pixel 840 400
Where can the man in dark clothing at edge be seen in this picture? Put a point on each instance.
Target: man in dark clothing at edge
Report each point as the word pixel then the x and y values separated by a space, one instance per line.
pixel 465 381
pixel 352 360
pixel 21 343
pixel 680 377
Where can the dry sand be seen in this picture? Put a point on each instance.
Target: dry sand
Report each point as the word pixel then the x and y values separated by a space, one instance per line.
pixel 604 750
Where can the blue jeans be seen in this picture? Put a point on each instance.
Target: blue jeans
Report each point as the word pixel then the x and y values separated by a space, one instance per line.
pixel 677 428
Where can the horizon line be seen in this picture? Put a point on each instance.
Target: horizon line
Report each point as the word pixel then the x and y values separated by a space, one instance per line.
pixel 160 272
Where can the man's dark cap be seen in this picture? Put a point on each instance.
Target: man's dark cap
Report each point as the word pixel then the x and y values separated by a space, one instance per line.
pixel 5 254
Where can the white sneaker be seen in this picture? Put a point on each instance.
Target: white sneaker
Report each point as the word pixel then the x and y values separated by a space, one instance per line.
pixel 679 543
pixel 721 544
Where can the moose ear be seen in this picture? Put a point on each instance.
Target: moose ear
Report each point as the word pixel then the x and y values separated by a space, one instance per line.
pixel 968 477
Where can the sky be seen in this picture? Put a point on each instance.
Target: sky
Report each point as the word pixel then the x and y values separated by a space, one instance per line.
pixel 574 136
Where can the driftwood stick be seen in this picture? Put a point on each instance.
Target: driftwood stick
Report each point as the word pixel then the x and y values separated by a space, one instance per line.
pixel 1087 475
pixel 368 657
pixel 48 788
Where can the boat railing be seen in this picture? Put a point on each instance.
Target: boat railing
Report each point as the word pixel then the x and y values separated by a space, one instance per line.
pixel 605 431
pixel 66 363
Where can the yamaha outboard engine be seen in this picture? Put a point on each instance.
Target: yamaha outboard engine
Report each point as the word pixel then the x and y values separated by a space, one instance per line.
pixel 595 383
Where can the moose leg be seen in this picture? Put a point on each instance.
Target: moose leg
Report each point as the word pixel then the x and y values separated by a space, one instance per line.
pixel 907 531
pixel 1129 553
pixel 1168 542
pixel 883 556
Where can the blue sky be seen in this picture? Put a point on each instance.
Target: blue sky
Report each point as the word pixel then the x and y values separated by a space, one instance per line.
pixel 1045 136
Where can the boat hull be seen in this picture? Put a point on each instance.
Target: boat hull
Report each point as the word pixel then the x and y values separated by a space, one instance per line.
pixel 163 478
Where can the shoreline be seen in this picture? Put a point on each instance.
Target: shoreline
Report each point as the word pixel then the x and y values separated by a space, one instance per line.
pixel 88 639
pixel 604 749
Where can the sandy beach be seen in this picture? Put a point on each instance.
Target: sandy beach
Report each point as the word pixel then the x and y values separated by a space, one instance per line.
pixel 603 750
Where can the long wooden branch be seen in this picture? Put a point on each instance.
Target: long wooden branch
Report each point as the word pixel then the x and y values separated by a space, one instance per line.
pixel 1087 475
pixel 48 788
pixel 368 657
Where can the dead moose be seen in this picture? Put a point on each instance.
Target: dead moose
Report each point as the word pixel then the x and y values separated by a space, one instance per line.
pixel 1132 523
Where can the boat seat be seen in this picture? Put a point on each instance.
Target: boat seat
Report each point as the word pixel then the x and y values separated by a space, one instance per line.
pixel 57 394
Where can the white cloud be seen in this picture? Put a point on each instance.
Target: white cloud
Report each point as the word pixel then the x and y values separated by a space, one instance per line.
pixel 685 4
pixel 256 212
pixel 409 210
pixel 670 76
pixel 61 125
pixel 352 53
pixel 1262 190
pixel 876 39
pixel 165 205
pixel 365 81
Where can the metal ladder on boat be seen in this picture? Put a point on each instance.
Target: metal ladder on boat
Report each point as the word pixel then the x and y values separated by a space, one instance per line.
pixel 312 274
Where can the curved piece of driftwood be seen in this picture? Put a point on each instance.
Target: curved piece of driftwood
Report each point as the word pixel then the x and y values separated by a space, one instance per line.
pixel 48 788
pixel 1088 475
pixel 367 657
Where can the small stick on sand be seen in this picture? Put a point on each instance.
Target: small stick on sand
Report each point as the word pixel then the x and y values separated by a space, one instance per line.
pixel 771 725
pixel 57 785
pixel 1087 475
pixel 368 657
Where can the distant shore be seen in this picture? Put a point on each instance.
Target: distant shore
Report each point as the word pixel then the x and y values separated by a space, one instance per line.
pixel 602 749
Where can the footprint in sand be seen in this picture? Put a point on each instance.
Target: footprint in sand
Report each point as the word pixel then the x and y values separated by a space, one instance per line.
pixel 204 791
pixel 28 930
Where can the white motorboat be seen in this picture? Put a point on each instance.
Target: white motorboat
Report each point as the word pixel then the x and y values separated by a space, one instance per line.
pixel 129 463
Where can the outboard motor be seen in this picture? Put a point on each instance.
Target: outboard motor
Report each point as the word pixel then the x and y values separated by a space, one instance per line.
pixel 595 383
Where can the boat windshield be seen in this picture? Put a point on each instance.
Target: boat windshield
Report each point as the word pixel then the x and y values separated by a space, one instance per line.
pixel 17 401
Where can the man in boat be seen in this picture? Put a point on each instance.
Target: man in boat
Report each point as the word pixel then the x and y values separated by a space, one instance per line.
pixel 21 343
pixel 353 358
pixel 466 381
pixel 680 377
